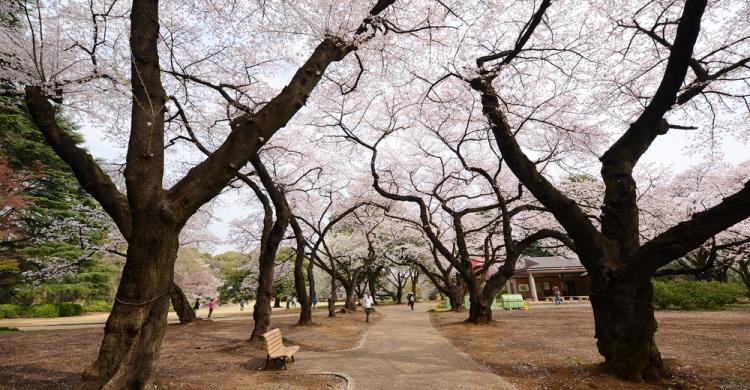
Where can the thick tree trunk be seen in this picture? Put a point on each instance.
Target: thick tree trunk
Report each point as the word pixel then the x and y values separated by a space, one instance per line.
pixel 132 336
pixel 351 298
pixel 332 299
pixel 372 279
pixel 277 302
pixel 262 308
pixel 399 294
pixel 181 305
pixel 480 306
pixel 414 282
pixel 625 328
pixel 456 299
pixel 305 315
pixel 311 286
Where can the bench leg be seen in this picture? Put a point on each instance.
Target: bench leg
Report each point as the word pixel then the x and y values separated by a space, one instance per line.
pixel 292 358
pixel 285 362
pixel 268 358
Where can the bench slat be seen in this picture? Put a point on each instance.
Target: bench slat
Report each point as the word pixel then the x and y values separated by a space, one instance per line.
pixel 274 346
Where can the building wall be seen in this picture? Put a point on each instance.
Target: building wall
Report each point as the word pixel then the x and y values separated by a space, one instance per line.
pixel 569 284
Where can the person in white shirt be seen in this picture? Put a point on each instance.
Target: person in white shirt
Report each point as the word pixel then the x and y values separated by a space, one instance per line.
pixel 367 304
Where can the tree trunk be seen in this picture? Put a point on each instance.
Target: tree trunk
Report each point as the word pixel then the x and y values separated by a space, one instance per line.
pixel 305 301
pixel 305 315
pixel 372 279
pixel 132 336
pixel 262 308
pixel 181 305
pixel 277 302
pixel 625 328
pixel 480 306
pixel 311 286
pixel 332 299
pixel 351 298
pixel 414 282
pixel 743 269
pixel 456 299
pixel 399 293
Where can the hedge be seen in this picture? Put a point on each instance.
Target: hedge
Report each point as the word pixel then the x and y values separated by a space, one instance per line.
pixel 69 309
pixel 98 306
pixel 696 295
pixel 45 310
pixel 11 311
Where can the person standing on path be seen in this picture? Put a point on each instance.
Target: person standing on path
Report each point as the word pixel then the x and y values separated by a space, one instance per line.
pixel 294 301
pixel 556 295
pixel 197 306
pixel 211 305
pixel 242 305
pixel 367 305
pixel 315 301
pixel 411 299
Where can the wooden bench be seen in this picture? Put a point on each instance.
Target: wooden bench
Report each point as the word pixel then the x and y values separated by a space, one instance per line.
pixel 276 349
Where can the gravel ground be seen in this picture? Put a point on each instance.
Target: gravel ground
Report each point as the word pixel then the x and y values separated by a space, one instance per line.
pixel 556 349
pixel 202 355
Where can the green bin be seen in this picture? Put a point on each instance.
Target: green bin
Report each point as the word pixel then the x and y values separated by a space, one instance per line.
pixel 512 301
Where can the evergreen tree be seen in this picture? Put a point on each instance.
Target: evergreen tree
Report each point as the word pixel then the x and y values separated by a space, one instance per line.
pixel 54 252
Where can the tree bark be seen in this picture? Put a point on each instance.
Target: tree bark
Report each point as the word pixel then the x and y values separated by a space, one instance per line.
pixel 743 269
pixel 332 299
pixel 305 315
pixel 456 299
pixel 273 234
pixel 181 305
pixel 351 298
pixel 372 282
pixel 625 328
pixel 132 336
pixel 312 292
pixel 262 308
pixel 277 302
pixel 480 309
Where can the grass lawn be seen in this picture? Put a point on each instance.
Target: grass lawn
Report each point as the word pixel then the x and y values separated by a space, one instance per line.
pixel 555 348
pixel 202 355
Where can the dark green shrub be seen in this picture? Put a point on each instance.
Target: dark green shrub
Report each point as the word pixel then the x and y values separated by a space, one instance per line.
pixel 45 310
pixel 11 311
pixel 97 306
pixel 696 295
pixel 69 309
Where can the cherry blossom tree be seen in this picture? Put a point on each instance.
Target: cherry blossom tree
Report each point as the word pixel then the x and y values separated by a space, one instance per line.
pixel 683 71
pixel 68 53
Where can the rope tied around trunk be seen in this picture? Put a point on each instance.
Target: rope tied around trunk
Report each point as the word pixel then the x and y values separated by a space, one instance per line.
pixel 171 288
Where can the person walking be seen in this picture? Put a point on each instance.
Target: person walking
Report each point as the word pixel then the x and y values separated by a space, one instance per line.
pixel 367 305
pixel 294 301
pixel 197 306
pixel 211 305
pixel 314 301
pixel 242 305
pixel 411 298
pixel 556 295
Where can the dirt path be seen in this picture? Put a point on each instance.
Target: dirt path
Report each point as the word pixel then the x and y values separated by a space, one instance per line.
pixel 402 351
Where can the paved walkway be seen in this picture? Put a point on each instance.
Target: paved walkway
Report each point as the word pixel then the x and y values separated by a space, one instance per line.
pixel 401 351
